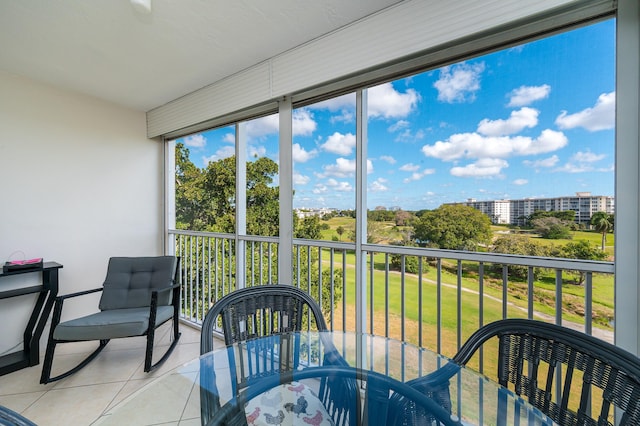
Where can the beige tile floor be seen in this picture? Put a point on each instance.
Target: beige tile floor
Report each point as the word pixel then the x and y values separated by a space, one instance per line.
pixel 84 396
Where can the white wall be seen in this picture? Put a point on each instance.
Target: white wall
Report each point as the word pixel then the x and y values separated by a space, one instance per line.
pixel 80 183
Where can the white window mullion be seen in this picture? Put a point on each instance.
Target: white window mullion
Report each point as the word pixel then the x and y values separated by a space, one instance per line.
pixel 169 194
pixel 361 210
pixel 285 248
pixel 241 203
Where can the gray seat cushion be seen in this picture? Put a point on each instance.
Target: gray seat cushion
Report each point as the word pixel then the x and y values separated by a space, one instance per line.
pixel 110 324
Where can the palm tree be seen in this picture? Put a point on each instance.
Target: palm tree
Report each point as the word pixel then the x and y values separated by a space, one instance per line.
pixel 603 223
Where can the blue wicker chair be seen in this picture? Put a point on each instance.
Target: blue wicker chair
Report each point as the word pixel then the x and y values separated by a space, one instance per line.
pixel 271 310
pixel 548 365
pixel 11 418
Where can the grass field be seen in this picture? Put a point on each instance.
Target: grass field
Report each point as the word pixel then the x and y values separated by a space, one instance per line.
pixel 544 288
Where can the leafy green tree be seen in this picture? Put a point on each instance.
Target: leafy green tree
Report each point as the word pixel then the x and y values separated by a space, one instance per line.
pixel 602 222
pixel 219 189
pixel 190 212
pixel 380 215
pixel 552 228
pixel 340 231
pixel 453 226
pixel 518 244
pixel 205 198
pixel 585 251
pixel 309 228
pixel 410 262
pixel 567 216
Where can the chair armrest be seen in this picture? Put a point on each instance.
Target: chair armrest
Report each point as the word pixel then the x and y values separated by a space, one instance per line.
pixel 79 293
pixel 155 292
pixel 162 290
pixel 57 307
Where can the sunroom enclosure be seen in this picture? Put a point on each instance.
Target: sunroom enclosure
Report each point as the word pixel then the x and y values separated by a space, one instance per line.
pixel 240 250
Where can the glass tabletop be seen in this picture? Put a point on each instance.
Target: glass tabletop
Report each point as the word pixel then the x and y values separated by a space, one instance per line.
pixel 176 397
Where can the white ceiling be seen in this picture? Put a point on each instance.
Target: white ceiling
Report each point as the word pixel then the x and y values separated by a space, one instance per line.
pixel 104 48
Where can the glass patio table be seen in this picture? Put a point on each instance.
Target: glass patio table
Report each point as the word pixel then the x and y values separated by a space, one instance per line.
pixel 176 396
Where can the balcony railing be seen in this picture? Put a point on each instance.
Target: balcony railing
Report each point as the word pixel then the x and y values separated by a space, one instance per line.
pixel 429 297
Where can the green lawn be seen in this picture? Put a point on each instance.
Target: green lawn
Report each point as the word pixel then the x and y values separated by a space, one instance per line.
pixel 544 287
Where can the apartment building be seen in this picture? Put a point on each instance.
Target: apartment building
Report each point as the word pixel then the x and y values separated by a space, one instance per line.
pixel 515 212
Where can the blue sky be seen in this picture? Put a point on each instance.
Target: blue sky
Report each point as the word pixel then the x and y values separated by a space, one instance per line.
pixel 536 120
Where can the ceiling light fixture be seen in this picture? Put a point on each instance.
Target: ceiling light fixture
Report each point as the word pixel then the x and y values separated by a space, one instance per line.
pixel 141 6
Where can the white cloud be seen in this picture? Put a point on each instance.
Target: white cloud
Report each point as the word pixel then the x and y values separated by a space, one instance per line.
pixel 262 126
pixel 339 186
pixel 408 136
pixel 347 101
pixel 601 117
pixel 398 125
pixel 345 116
pixel 587 157
pixel 581 162
pixel 575 168
pixel 520 182
pixel 256 151
pixel 223 152
pixel 320 189
pixel 340 144
pixel 410 167
pixel 474 145
pixel 384 101
pixel 303 123
pixel 195 141
pixel 458 83
pixel 343 168
pixel 300 155
pixel 418 175
pixel 525 95
pixel 517 121
pixel 299 179
pixel 229 138
pixel 389 159
pixel 544 163
pixel 486 167
pixel 378 185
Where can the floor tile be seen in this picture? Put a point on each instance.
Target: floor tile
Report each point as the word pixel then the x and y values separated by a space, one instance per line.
pixel 111 378
pixel 72 406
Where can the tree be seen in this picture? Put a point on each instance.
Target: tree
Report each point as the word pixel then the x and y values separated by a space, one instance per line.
pixel 602 222
pixel 552 228
pixel 563 215
pixel 340 231
pixel 403 218
pixel 453 226
pixel 410 262
pixel 308 228
pixel 518 244
pixel 585 251
pixel 190 213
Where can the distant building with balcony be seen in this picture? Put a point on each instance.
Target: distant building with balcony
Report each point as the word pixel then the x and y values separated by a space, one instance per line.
pixel 515 212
